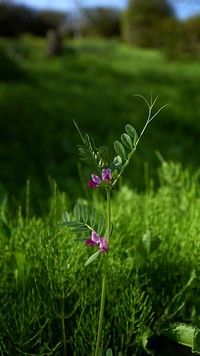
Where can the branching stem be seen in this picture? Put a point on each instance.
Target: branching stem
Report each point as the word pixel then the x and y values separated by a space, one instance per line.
pixel 150 117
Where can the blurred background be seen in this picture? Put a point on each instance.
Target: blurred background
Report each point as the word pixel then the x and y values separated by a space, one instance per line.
pixel 84 60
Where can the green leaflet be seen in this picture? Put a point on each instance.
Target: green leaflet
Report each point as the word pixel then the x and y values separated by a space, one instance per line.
pixel 117 162
pixel 92 258
pixel 132 132
pixel 120 150
pixel 71 224
pixel 66 216
pixel 77 212
pixel 87 222
pixel 84 212
pixel 100 225
pixel 82 239
pixel 80 230
pixel 127 141
pixel 93 218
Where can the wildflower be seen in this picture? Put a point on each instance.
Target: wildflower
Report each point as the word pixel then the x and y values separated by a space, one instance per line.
pixel 95 182
pixel 98 241
pixel 106 175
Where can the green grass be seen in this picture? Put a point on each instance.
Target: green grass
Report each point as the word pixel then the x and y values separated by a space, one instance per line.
pixel 93 83
pixel 48 296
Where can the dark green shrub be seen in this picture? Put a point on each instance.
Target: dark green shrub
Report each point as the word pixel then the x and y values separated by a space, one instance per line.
pixel 142 22
pixel 100 21
pixel 182 39
pixel 10 69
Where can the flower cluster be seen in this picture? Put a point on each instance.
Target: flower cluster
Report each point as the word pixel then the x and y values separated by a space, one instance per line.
pixel 96 181
pixel 98 241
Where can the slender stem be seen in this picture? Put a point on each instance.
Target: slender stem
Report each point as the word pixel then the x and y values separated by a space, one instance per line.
pixel 27 200
pixel 63 322
pixel 105 277
pixel 150 117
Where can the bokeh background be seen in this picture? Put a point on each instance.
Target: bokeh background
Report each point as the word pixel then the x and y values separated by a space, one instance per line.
pixel 84 60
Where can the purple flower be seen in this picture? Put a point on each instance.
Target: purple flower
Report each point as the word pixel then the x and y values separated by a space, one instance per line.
pixel 106 174
pixel 98 241
pixel 96 180
pixel 103 245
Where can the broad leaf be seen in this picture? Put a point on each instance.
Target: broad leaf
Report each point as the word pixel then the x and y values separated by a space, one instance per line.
pixel 132 132
pixel 119 148
pixel 179 332
pixel 92 258
pixel 109 352
pixel 127 141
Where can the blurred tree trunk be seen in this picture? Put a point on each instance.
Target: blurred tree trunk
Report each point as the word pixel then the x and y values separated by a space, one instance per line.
pixel 54 43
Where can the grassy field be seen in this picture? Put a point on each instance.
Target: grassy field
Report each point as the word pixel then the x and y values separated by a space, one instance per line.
pixel 48 297
pixel 93 83
pixel 49 300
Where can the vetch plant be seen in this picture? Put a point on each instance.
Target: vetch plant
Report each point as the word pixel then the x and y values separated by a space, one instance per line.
pixel 105 175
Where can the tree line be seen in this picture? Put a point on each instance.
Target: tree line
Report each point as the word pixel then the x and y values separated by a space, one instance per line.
pixel 144 23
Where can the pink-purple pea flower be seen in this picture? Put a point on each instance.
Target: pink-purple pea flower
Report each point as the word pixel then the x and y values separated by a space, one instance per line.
pixel 106 175
pixel 98 241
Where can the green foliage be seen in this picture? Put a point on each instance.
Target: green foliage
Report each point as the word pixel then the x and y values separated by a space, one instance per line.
pixel 183 334
pixel 100 21
pixel 10 69
pixel 142 22
pixel 182 39
pixel 119 148
pixel 131 140
pixel 27 20
pixel 96 157
pixel 55 300
pixel 84 222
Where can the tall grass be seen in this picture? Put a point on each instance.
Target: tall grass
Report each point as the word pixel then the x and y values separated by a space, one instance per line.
pixel 50 301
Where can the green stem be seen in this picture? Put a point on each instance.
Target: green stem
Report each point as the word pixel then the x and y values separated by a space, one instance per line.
pixel 105 277
pixel 63 322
